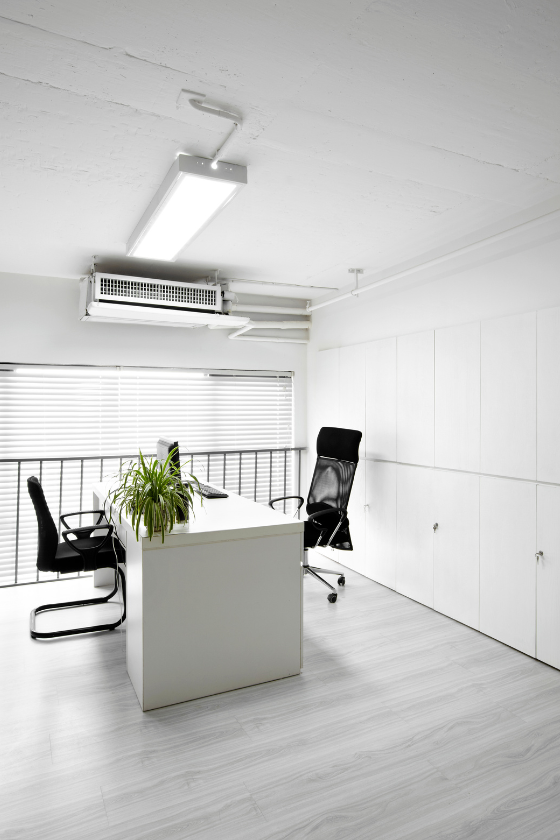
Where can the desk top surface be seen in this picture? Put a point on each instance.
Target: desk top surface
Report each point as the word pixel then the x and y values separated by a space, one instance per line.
pixel 218 519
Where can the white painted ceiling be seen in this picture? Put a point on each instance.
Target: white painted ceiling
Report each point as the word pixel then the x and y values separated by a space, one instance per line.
pixel 373 131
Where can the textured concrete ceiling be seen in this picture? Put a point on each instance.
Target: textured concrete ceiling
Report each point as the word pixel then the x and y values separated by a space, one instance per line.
pixel 373 131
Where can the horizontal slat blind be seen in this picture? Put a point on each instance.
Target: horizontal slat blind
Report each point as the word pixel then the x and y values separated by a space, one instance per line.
pixel 86 413
pixel 76 412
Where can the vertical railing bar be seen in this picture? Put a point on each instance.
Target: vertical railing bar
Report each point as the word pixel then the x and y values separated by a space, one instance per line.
pixel 16 567
pixel 285 471
pixel 81 492
pixel 255 490
pixel 120 467
pixel 101 469
pixel 239 483
pixel 60 503
pixel 270 477
pixel 299 479
pixel 81 488
pixel 224 482
pixel 41 483
pixel 208 468
pixel 60 495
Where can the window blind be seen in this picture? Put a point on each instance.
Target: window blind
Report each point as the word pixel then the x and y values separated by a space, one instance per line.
pixel 87 414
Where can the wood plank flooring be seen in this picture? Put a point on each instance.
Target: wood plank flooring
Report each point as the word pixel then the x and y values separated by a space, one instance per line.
pixel 403 725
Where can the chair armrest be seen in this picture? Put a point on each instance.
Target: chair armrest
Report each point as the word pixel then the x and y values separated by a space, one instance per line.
pixel 80 513
pixel 85 532
pixel 272 502
pixel 321 513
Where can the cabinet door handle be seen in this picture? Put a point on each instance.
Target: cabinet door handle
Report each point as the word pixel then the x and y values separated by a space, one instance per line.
pixel 538 554
pixel 435 526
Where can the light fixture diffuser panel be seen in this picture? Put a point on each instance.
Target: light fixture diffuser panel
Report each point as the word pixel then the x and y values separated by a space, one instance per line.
pixel 192 194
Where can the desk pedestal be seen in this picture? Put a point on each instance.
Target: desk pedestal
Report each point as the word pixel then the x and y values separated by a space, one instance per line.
pixel 212 617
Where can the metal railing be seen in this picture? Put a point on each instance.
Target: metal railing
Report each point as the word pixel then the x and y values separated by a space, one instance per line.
pixel 257 474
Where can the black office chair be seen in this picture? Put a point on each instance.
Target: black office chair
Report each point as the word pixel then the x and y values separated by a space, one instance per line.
pixel 82 554
pixel 327 503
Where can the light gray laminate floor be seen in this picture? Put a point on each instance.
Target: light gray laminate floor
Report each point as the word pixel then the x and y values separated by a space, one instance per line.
pixel 403 724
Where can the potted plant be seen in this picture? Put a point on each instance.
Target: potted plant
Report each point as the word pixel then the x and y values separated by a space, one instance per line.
pixel 154 494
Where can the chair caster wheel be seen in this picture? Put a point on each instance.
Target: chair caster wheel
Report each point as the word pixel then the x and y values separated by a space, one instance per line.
pixel 341 580
pixel 332 597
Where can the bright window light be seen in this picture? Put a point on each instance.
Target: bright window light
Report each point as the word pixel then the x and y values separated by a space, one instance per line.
pixel 189 198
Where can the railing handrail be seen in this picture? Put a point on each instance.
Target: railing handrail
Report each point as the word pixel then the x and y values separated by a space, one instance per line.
pixel 149 455
pixel 242 469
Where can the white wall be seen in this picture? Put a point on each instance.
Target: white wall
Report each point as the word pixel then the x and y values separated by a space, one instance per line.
pixel 517 283
pixel 39 324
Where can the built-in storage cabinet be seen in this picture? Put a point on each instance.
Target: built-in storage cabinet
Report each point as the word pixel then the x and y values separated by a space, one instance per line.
pixel 459 427
pixel 457 397
pixel 548 395
pixel 415 512
pixel 456 544
pixel 508 531
pixel 508 416
pixel 381 399
pixel 356 514
pixel 415 398
pixel 548 574
pixel 381 523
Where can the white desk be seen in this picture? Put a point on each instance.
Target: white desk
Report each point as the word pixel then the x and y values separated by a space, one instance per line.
pixel 218 606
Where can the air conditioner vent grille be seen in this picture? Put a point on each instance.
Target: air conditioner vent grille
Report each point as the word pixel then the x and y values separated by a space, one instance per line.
pixel 174 294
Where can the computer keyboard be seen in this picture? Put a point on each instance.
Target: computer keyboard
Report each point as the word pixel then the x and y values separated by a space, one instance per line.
pixel 210 492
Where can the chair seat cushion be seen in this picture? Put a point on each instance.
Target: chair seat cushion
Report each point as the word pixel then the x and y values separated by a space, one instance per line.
pixel 67 561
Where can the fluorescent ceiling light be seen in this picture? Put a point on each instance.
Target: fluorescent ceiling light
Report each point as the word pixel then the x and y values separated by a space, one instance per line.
pixel 191 195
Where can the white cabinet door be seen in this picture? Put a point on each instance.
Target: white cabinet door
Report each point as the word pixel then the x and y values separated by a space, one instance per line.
pixel 381 522
pixel 352 386
pixel 415 398
pixel 548 575
pixel 507 562
pixel 415 518
pixel 356 514
pixel 548 395
pixel 457 400
pixel 456 546
pixel 381 399
pixel 508 424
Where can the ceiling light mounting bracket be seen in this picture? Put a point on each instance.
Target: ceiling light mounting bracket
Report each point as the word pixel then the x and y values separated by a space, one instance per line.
pixel 225 115
pixel 356 272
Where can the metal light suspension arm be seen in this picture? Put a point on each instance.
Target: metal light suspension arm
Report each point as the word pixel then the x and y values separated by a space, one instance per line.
pixel 225 115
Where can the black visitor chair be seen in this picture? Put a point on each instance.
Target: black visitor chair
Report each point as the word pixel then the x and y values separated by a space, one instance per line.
pixel 327 503
pixel 85 553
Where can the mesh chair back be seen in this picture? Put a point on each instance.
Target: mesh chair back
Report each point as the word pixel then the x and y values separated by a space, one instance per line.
pixel 48 535
pixel 331 484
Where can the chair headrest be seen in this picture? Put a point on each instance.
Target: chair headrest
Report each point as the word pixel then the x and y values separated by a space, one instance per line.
pixel 341 444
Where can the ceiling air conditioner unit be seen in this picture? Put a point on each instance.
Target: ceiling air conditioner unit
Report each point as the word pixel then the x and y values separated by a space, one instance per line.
pixel 165 303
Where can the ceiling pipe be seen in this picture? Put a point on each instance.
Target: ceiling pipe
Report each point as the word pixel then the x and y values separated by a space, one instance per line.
pixel 275 340
pixel 238 335
pixel 270 310
pixel 497 237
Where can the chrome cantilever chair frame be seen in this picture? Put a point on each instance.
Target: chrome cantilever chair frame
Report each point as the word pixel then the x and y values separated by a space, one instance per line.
pixel 87 602
pixel 84 553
